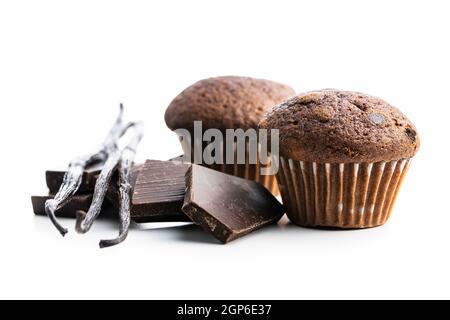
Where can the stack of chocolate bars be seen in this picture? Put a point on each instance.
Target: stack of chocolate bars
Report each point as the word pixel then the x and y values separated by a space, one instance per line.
pixel 225 206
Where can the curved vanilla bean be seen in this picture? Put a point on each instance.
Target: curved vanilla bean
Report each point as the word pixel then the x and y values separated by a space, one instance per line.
pixel 101 186
pixel 73 176
pixel 125 188
pixel 71 183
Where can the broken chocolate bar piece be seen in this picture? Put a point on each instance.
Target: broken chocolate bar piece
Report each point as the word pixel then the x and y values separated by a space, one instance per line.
pixel 77 202
pixel 159 192
pixel 55 179
pixel 228 207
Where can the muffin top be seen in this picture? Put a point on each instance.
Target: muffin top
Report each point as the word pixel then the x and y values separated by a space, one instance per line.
pixel 225 103
pixel 341 127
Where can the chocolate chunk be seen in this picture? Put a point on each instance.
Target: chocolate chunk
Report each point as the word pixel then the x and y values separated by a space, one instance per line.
pixel 159 192
pixel 55 179
pixel 226 206
pixel 411 133
pixel 77 202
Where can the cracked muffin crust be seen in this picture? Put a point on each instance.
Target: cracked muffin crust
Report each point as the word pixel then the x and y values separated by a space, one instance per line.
pixel 341 127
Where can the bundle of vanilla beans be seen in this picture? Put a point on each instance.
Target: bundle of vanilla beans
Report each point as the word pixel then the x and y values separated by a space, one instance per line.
pixel 113 159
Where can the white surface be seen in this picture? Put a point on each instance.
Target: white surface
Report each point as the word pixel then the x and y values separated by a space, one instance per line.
pixel 75 61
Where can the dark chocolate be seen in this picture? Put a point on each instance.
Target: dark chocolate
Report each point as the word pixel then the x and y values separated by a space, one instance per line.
pixel 228 207
pixel 55 178
pixel 77 202
pixel 159 192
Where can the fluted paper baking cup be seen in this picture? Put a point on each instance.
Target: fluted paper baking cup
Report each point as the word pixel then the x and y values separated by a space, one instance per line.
pixel 247 170
pixel 342 195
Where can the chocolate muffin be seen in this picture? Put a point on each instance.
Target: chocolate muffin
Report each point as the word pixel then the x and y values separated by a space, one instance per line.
pixel 343 156
pixel 227 103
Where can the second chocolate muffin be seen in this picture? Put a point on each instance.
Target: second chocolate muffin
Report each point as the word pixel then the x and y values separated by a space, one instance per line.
pixel 343 156
pixel 228 103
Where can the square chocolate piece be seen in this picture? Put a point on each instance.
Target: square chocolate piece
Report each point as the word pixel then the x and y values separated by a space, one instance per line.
pixel 159 192
pixel 226 206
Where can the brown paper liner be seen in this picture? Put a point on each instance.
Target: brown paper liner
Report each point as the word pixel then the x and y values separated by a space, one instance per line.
pixel 342 195
pixel 247 170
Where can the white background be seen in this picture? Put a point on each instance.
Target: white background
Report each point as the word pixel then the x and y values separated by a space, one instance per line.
pixel 66 65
